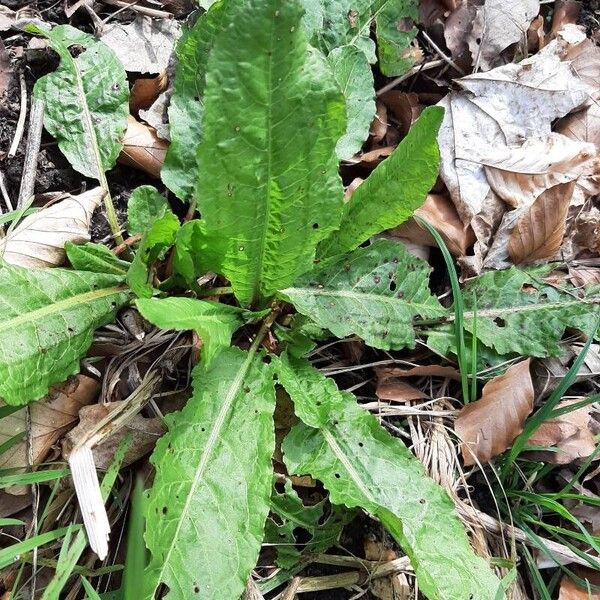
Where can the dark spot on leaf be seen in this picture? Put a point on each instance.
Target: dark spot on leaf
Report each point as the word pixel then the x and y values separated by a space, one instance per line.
pixel 315 226
pixel 196 589
pixel 377 279
pixel 266 359
pixel 500 322
pixel 422 501
pixel 360 444
pixel 116 87
pixel 165 510
pixel 247 390
pixel 392 286
pixel 337 475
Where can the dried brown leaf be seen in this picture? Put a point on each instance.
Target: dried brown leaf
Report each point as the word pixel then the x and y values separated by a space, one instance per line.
pixel 584 276
pixel 569 434
pixel 419 371
pixel 566 12
pixel 441 213
pixel 571 591
pixel 456 32
pixel 489 426
pixel 6 70
pixel 403 107
pixel 39 239
pixel 539 233
pixel 434 11
pixel 396 390
pixel 142 148
pixel 145 91
pixel 145 433
pixel 374 157
pixel 51 418
pixel 379 125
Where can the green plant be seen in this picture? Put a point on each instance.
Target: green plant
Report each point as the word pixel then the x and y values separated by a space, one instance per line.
pixel 256 119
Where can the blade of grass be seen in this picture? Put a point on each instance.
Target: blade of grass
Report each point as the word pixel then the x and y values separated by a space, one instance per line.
pixel 537 580
pixel 11 554
pixel 459 307
pixel 135 561
pixel 92 594
pixel 35 477
pixel 474 352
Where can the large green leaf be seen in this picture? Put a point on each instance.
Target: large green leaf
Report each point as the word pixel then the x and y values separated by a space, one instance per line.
pixel 48 319
pixel 518 312
pixel 86 100
pixel 179 172
pixel 210 498
pixel 374 292
pixel 362 465
pixel 268 186
pixel 353 74
pixel 215 323
pixel 393 190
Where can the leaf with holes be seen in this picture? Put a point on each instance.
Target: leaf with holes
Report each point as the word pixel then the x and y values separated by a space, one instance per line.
pixel 374 292
pixel 362 465
pixel 267 181
pixel 210 497
pixel 86 100
pixel 48 319
pixel 518 312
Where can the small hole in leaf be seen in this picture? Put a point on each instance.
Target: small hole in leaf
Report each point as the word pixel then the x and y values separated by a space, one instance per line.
pixel 392 286
pixel 315 226
pixel 360 444
pixel 478 40
pixel 246 390
pixel 500 322
pixel 337 475
pixel 196 589
pixel 267 360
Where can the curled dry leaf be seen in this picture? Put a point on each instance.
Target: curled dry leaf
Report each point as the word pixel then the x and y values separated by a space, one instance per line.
pixel 146 90
pixel 441 213
pixel 497 25
pixel 539 233
pixel 393 388
pixel 142 148
pixel 51 418
pixel 489 426
pixel 566 12
pixel 39 239
pixel 419 371
pixel 145 433
pixel 403 108
pixel 570 435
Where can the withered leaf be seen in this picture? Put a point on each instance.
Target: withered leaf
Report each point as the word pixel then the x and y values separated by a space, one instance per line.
pixel 39 239
pixel 570 434
pixel 539 232
pixel 51 417
pixel 142 148
pixel 489 426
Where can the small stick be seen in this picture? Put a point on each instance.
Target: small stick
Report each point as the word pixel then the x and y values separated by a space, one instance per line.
pixel 291 589
pixel 144 10
pixel 412 71
pixel 128 242
pixel 4 193
pixel 32 152
pixel 441 53
pixel 22 116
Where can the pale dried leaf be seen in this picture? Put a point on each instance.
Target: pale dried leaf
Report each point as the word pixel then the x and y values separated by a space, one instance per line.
pixel 6 70
pixel 489 426
pixel 569 434
pixel 145 45
pixel 497 25
pixel 520 174
pixel 441 213
pixel 457 29
pixel 503 108
pixel 142 148
pixel 538 234
pixel 584 276
pixel 39 239
pixel 396 390
pixel 419 371
pixel 51 418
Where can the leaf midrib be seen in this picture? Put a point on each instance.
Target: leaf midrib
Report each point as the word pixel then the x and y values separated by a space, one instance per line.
pixel 258 272
pixel 360 296
pixel 58 307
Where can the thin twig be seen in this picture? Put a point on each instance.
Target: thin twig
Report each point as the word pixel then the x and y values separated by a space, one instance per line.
pixel 22 116
pixel 32 152
pixel 126 243
pixel 4 193
pixel 412 71
pixel 442 54
pixel 143 10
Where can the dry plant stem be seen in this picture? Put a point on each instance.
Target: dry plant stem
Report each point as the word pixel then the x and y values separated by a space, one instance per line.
pixel 22 116
pixel 412 71
pixel 291 589
pixel 32 152
pixel 144 10
pixel 126 243
pixel 492 525
pixel 442 54
pixel 111 213
pixel 5 195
